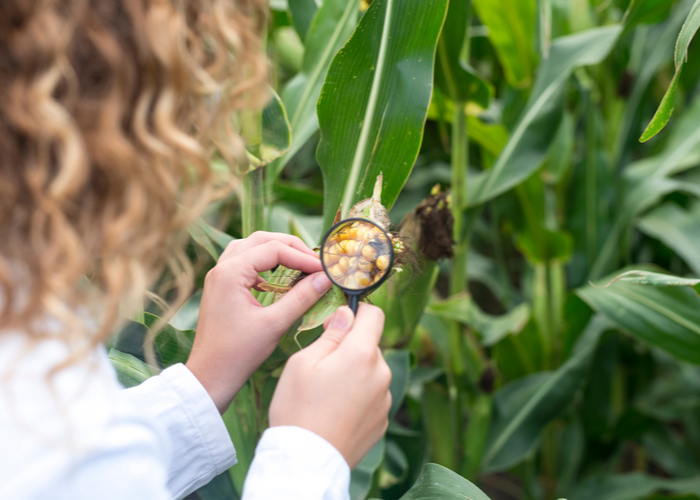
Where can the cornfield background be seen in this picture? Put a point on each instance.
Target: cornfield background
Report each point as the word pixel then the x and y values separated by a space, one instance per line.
pixel 512 127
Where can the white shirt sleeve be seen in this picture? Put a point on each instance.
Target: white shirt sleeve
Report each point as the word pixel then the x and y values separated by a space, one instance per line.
pixel 201 446
pixel 83 437
pixel 292 463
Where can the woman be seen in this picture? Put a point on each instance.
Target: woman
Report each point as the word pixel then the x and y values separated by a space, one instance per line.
pixel 109 112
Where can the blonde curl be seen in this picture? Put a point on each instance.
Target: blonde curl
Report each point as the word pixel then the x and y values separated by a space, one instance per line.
pixel 109 113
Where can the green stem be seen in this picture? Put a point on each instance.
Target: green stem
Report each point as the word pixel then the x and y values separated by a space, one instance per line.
pixel 460 160
pixel 253 202
pixel 557 297
pixel 475 437
pixel 253 196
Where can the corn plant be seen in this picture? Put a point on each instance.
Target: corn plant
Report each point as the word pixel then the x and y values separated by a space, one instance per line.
pixel 538 161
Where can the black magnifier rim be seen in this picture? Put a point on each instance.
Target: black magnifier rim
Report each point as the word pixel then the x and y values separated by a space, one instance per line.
pixel 361 291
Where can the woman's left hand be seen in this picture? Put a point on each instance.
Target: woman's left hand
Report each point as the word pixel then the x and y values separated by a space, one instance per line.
pixel 235 333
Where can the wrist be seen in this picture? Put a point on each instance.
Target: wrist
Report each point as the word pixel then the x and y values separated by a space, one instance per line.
pixel 221 389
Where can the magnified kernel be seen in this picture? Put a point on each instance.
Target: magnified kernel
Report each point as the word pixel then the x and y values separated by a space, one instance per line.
pixel 357 255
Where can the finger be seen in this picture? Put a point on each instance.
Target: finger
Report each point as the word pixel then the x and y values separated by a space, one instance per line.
pixel 273 253
pixel 261 237
pixel 259 281
pixel 367 329
pixel 230 250
pixel 340 324
pixel 299 299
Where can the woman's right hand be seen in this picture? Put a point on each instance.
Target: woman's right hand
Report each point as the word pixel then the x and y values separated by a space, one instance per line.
pixel 338 387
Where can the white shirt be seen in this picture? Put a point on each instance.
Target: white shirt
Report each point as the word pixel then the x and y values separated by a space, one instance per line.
pixel 83 436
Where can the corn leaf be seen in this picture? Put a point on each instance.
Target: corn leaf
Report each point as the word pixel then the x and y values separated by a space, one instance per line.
pixel 302 13
pixel 219 488
pixel 511 25
pixel 361 475
pixel 241 422
pixel 647 180
pixel 276 134
pixel 374 102
pixel 653 279
pixel 522 408
pixel 530 140
pixel 208 237
pixel 462 308
pixel 453 75
pixel 678 229
pixel 646 11
pixel 631 486
pixel 663 114
pixel 438 483
pixel 331 26
pixel 400 364
pixel 666 316
pixel 131 371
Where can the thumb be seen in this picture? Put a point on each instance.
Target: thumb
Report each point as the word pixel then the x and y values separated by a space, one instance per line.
pixel 299 299
pixel 340 324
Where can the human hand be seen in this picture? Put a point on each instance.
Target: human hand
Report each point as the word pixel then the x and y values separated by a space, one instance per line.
pixel 235 333
pixel 338 387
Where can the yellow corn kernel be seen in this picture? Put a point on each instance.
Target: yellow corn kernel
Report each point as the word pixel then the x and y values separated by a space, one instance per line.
pixel 330 258
pixel 362 279
pixel 336 272
pixel 364 265
pixel 382 262
pixel 369 253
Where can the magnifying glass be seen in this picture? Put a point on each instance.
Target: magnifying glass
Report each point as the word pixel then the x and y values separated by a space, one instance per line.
pixel 357 255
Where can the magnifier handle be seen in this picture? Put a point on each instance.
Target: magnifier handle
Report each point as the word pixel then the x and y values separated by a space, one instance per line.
pixel 353 301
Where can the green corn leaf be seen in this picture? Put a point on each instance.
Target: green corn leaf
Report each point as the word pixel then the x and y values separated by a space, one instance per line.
pixel 678 229
pixel 492 328
pixel 322 309
pixel 438 483
pixel 374 102
pixel 400 364
pixel 690 27
pixel 208 237
pixel 131 371
pixel 653 279
pixel 646 12
pixel 276 134
pixel 520 353
pixel 219 488
pixel 658 42
pixel 511 25
pixel 172 345
pixel 647 180
pixel 530 140
pixel 631 487
pixel 523 407
pixel 302 13
pixel 663 114
pixel 331 26
pixel 403 298
pixel 241 422
pixel 435 410
pixel 665 316
pixel 453 75
pixel 361 475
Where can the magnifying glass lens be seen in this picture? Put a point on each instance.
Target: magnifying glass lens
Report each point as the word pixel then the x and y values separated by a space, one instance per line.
pixel 356 254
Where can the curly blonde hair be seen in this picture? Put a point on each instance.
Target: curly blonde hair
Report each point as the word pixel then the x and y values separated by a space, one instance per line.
pixel 109 113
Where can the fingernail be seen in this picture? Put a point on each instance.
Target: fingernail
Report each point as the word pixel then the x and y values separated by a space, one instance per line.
pixel 321 283
pixel 341 319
